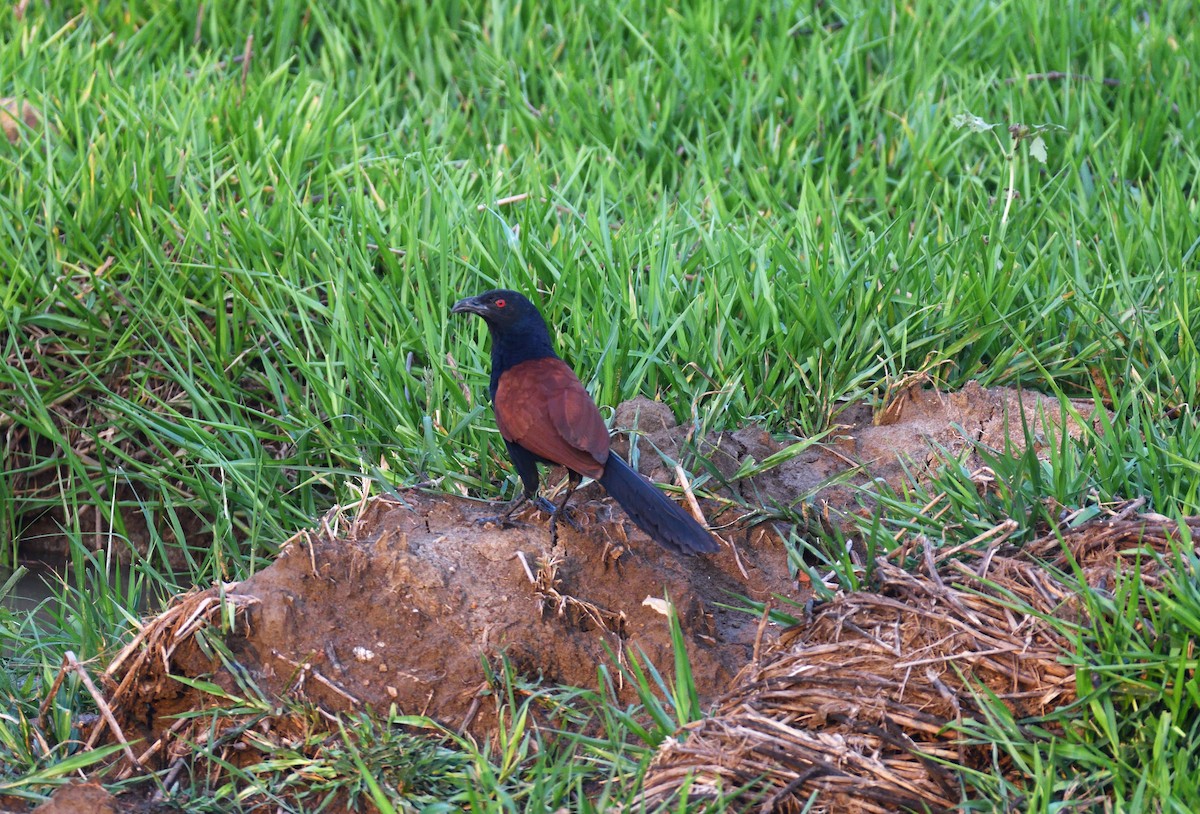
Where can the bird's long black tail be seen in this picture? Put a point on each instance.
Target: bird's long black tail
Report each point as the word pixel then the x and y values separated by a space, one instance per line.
pixel 653 512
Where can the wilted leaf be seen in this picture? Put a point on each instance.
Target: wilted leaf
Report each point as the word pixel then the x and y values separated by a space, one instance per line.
pixel 971 121
pixel 1037 149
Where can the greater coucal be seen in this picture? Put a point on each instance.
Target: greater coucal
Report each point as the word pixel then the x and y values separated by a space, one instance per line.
pixel 546 416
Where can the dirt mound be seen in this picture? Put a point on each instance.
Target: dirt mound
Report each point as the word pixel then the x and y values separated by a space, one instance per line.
pixel 406 601
pixel 864 705
pixel 79 798
pixel 913 433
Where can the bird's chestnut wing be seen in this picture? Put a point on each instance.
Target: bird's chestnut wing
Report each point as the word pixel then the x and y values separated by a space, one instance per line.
pixel 542 405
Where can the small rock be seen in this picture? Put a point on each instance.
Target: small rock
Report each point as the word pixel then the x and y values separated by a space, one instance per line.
pixel 79 798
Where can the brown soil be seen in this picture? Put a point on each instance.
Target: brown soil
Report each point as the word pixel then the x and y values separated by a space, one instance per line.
pixel 912 434
pixel 90 798
pixel 405 602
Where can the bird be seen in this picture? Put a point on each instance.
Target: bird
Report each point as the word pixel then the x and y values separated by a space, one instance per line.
pixel 545 415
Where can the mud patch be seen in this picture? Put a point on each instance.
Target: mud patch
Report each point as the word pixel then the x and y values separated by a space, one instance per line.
pixel 79 798
pixel 91 798
pixel 411 601
pixel 911 435
pixel 406 602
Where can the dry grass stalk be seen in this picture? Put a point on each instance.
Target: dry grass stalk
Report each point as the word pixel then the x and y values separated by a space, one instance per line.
pixel 547 585
pixel 144 669
pixel 860 705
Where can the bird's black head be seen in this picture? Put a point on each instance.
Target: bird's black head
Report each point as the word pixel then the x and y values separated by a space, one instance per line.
pixel 518 331
pixel 500 308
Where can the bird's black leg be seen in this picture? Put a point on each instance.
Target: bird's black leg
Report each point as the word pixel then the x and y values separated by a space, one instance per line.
pixel 526 466
pixel 505 517
pixel 573 479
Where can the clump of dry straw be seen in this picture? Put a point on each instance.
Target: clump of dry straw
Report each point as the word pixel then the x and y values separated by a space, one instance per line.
pixel 862 705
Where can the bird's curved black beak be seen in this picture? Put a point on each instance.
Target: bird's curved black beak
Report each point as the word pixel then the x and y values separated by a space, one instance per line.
pixel 469 305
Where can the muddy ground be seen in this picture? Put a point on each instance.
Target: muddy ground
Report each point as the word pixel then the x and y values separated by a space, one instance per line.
pixel 409 601
pixel 912 434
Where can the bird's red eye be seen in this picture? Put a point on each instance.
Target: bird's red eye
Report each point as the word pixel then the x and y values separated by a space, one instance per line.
pixel 499 303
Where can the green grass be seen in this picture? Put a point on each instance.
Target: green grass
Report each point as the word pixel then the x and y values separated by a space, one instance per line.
pixel 754 212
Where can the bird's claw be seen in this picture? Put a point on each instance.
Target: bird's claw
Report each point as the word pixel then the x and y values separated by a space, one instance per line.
pixel 499 521
pixel 568 516
pixel 566 513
